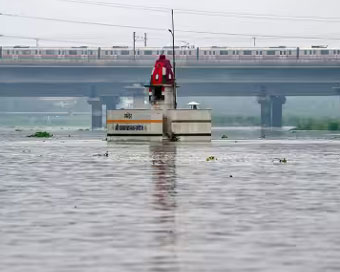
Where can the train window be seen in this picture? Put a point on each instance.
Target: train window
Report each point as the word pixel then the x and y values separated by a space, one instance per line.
pixel 147 52
pixel 214 53
pixel 106 53
pixel 49 52
pixel 184 52
pixel 189 52
pixel 271 53
pixel 334 52
pixel 247 53
pixel 157 52
pixel 290 52
pixel 205 52
pixel 261 53
pixel 26 52
pixel 125 52
pixel 8 52
pixel 111 53
pixel 324 52
pixel 305 52
pixel 338 52
pixel 224 52
pixel 169 52
pixel 209 52
pixel 72 52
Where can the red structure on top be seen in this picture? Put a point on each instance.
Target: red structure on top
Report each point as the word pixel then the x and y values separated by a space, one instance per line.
pixel 162 72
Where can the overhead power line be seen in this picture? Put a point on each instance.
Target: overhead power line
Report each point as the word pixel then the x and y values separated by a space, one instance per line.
pixel 250 35
pixel 44 39
pixel 208 13
pixel 79 22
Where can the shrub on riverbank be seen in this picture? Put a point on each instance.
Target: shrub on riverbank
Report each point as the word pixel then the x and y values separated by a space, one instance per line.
pixel 41 134
pixel 312 124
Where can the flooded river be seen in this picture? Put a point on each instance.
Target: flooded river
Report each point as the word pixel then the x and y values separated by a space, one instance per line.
pixel 65 206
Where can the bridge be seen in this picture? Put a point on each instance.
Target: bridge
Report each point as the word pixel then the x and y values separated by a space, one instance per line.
pixel 104 83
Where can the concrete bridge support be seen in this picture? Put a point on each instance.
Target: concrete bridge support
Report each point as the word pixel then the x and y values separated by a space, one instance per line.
pixel 271 110
pixel 138 101
pixel 277 102
pixel 265 103
pixel 97 103
pixel 111 102
pixel 138 93
pixel 97 113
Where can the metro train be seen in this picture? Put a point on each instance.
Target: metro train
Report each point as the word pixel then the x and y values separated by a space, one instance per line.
pixel 214 53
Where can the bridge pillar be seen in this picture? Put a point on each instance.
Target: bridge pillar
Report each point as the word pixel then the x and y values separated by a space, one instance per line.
pixel 277 102
pixel 137 91
pixel 265 103
pixel 138 101
pixel 97 113
pixel 111 102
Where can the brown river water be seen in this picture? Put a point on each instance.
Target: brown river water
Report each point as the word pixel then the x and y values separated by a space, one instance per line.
pixel 162 207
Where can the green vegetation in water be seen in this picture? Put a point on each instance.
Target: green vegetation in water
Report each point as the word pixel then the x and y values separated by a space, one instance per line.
pixel 211 158
pixel 312 124
pixel 300 123
pixel 41 134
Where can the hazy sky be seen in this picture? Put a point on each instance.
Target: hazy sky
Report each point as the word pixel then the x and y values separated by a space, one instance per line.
pixel 107 36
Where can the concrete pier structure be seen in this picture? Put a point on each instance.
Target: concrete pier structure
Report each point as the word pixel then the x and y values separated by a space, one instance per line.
pixel 271 110
pixel 138 94
pixel 97 113
pixel 265 103
pixel 97 103
pixel 111 102
pixel 277 103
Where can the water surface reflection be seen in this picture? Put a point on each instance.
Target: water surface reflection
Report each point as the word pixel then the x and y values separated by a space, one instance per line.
pixel 164 203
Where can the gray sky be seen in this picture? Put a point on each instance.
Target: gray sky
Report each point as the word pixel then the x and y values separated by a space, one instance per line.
pixel 108 36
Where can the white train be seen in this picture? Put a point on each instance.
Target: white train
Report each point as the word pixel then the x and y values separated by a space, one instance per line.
pixel 214 53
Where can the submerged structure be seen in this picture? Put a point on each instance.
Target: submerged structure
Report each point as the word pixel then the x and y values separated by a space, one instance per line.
pixel 162 121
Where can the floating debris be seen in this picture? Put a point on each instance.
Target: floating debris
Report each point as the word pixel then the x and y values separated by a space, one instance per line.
pixel 106 154
pixel 280 161
pixel 211 158
pixel 224 137
pixel 41 134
